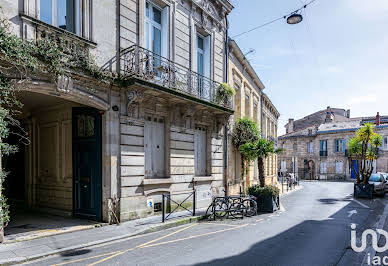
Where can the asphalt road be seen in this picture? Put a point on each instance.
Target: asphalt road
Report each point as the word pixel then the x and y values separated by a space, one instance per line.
pixel 313 229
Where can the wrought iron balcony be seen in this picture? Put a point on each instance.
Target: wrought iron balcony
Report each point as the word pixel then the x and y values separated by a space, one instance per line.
pixel 323 153
pixel 141 63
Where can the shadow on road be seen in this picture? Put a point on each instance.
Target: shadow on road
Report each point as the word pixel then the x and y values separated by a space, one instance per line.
pixel 312 242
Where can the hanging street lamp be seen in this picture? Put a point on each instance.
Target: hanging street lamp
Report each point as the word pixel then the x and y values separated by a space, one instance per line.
pixel 294 19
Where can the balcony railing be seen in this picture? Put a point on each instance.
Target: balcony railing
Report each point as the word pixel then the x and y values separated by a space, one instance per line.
pixel 323 153
pixel 138 62
pixel 69 42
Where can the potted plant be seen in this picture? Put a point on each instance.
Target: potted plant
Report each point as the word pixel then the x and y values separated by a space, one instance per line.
pixel 364 148
pixel 224 93
pixel 267 197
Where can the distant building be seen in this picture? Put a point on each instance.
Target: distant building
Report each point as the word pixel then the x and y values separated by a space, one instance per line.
pixel 249 101
pixel 316 145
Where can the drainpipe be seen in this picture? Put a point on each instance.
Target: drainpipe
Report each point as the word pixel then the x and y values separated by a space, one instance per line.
pixel 226 155
pixel 261 114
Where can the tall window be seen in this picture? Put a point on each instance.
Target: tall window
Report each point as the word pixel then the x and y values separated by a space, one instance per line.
pixel 153 28
pixel 310 147
pixel 255 112
pixel 339 145
pixel 247 100
pixel 295 146
pixel 64 14
pixel 384 145
pixel 323 146
pixel 200 55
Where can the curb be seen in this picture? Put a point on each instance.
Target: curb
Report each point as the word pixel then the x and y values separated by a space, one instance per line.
pixel 291 191
pixel 17 260
pixel 380 225
pixel 97 225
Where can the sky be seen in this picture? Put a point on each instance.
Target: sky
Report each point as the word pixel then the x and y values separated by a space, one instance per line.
pixel 337 56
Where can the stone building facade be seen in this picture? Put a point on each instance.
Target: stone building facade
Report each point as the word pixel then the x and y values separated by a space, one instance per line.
pixel 250 101
pixel 119 149
pixel 318 149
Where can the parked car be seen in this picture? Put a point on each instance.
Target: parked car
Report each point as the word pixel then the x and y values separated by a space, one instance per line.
pixel 378 180
pixel 386 181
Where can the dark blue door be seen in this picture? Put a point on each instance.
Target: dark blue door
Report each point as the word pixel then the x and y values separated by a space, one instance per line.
pixel 355 166
pixel 87 170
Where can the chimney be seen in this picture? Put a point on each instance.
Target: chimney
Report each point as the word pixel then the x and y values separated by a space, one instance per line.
pixel 329 115
pixel 290 125
pixel 378 119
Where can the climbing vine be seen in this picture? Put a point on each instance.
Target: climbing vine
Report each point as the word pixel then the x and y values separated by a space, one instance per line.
pixel 20 62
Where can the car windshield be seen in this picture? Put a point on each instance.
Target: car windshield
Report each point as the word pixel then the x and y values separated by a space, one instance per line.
pixel 374 178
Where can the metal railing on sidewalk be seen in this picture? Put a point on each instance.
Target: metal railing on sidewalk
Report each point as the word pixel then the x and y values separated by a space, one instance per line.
pixel 166 200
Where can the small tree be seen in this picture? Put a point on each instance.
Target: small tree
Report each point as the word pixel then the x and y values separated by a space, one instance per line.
pixel 259 150
pixel 364 147
pixel 245 131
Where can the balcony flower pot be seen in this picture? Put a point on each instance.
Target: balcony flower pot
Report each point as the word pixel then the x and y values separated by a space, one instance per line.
pixel 363 190
pixel 224 93
pixel 267 198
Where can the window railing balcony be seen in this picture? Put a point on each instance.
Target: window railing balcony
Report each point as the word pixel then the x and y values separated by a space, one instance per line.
pixel 69 42
pixel 323 153
pixel 138 62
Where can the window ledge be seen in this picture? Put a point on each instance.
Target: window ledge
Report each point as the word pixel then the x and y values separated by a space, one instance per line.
pixel 57 30
pixel 156 181
pixel 203 178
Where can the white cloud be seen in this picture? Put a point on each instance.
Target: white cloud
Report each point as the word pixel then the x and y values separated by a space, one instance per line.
pixel 363 99
pixel 334 69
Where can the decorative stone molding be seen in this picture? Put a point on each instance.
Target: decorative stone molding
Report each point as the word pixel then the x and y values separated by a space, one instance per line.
pixel 64 84
pixel 208 7
pixel 134 98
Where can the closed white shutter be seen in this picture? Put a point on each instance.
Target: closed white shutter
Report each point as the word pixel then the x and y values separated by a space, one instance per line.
pixel 158 147
pixel 374 167
pixel 323 167
pixel 339 167
pixel 148 146
pixel 154 147
pixel 283 166
pixel 200 149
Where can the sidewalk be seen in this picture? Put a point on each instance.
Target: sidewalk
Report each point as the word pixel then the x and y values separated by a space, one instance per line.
pixel 27 250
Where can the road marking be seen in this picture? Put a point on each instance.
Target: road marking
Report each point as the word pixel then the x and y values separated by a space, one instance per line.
pixel 162 237
pixel 112 256
pixel 141 245
pixel 362 204
pixel 149 244
pixel 195 236
pixel 352 212
pixel 97 256
pixel 259 220
pixel 231 225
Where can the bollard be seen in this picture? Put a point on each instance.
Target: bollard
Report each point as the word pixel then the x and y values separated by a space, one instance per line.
pixel 163 208
pixel 194 199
